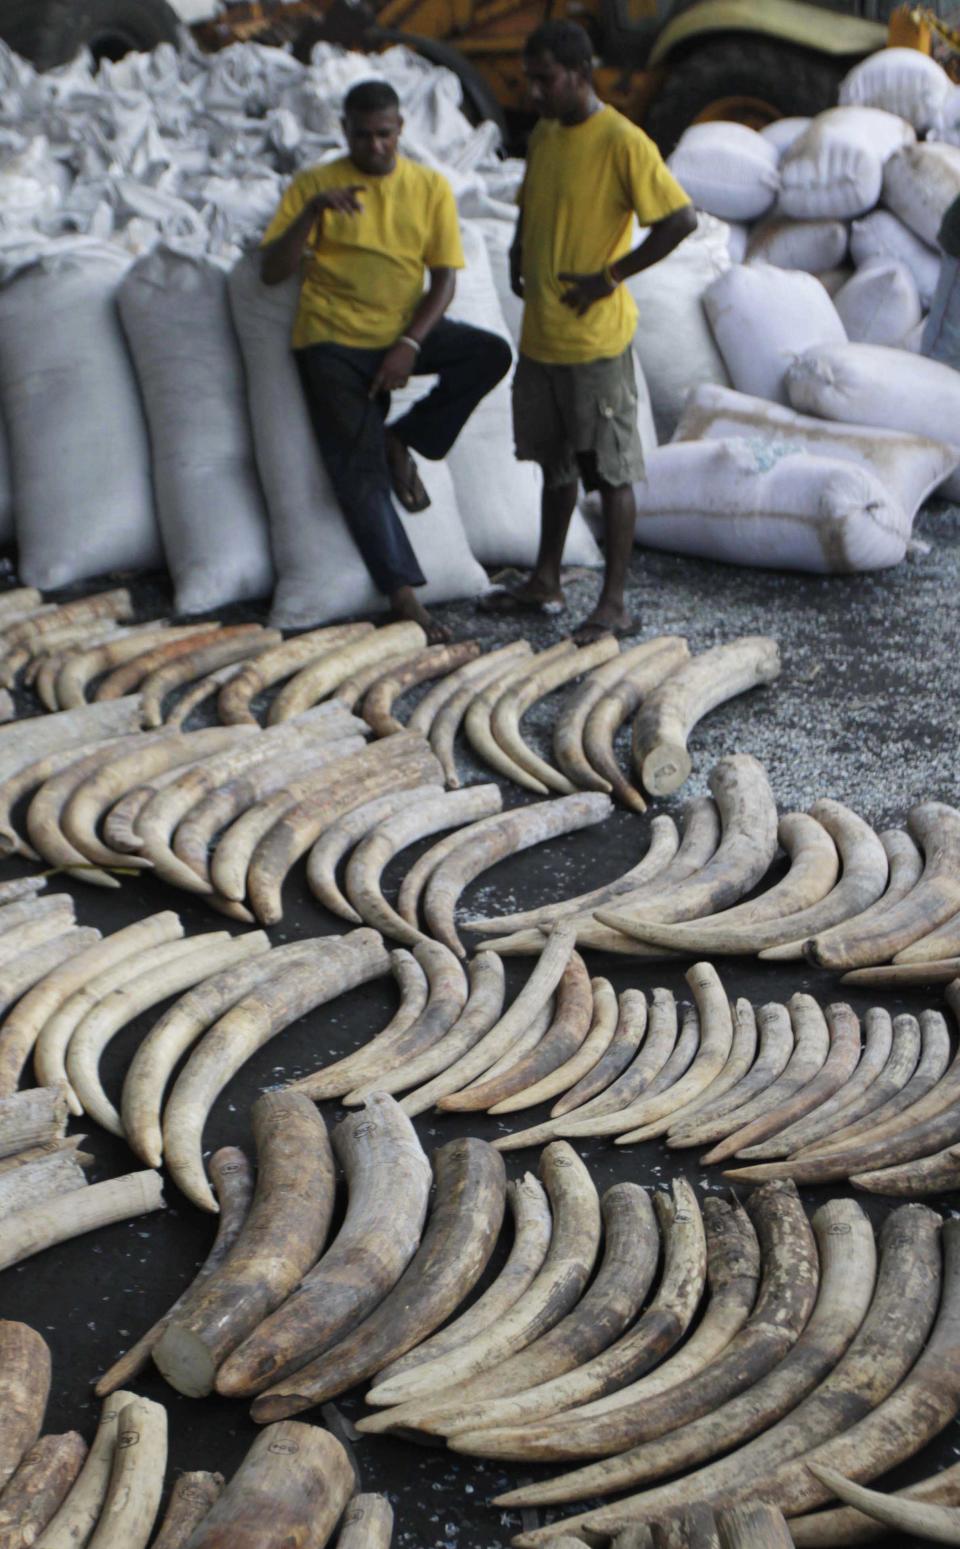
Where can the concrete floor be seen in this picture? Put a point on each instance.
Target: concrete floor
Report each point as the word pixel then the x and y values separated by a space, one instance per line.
pixel 865 711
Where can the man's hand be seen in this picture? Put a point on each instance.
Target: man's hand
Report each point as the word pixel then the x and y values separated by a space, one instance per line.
pixel 395 369
pixel 585 290
pixel 343 200
pixel 516 274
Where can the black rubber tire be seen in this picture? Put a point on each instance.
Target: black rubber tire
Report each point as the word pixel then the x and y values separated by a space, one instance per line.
pixel 479 102
pixel 793 80
pixel 51 32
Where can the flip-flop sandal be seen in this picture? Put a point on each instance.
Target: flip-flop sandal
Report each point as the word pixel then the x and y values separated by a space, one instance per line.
pixel 587 634
pixel 408 486
pixel 503 600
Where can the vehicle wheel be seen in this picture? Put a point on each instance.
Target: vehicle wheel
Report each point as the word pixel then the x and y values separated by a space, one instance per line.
pixel 479 102
pixel 749 79
pixel 51 32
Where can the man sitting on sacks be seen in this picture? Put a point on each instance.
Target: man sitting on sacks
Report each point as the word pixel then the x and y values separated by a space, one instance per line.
pixel 364 228
pixel 589 172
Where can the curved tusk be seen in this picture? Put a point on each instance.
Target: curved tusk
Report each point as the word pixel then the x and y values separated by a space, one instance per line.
pixel 45 1177
pixel 48 1015
pixel 282 661
pixel 429 815
pixel 513 704
pixel 417 875
pixel 499 667
pixel 511 833
pixel 388 1178
pixel 49 735
pixel 599 1319
pixel 367 1523
pixel 25 1367
pixel 195 960
pixel 844 1525
pixel 662 728
pixel 415 990
pixel 198 692
pixel 127 678
pixel 41 919
pixel 939 944
pixel 600 1034
pixel 56 649
pixel 233 1180
pixel 631 1024
pixel 757 1526
pixel 926 1038
pixel 554 1291
pixel 864 878
pixel 905 865
pixel 38 1488
pixel 28 780
pixel 743 1053
pixel 776 1043
pixel 352 690
pixel 32 1118
pixel 136 1478
pixel 940 1523
pixel 436 661
pixel 19 976
pixel 225 649
pixel 617 705
pixel 77 1517
pixel 292 1486
pixel 330 967
pixel 341 836
pixel 82 667
pixel 665 652
pixel 99 1204
pixel 479 715
pixel 321 676
pixel 191 1499
pixel 473 674
pixel 481 1010
pixel 285 1229
pixel 460 1237
pixel 934 1174
pixel 898 976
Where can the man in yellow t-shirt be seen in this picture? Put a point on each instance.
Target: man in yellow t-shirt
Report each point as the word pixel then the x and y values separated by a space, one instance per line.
pixel 363 230
pixel 590 171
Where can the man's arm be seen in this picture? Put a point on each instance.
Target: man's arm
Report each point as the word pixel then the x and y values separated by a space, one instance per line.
pixel 400 359
pixel 282 257
pixel 663 237
pixel 516 259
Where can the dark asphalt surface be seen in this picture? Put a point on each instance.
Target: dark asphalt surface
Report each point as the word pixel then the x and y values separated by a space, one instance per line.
pixel 865 711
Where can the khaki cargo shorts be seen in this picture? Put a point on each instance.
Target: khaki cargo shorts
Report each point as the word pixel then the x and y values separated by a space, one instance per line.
pixel 580 421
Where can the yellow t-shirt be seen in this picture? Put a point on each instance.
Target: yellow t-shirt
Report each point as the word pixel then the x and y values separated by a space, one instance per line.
pixel 584 183
pixel 363 278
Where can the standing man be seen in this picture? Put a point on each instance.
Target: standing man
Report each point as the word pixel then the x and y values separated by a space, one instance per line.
pixel 363 230
pixel 589 172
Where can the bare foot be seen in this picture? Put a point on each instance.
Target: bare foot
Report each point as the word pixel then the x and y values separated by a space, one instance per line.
pixel 606 619
pixel 532 596
pixel 406 605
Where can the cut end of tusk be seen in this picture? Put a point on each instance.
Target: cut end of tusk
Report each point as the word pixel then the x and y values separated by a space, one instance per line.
pixel 665 769
pixel 185 1362
pixel 270 1407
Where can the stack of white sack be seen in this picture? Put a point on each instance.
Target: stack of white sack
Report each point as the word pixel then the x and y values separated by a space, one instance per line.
pixel 178 160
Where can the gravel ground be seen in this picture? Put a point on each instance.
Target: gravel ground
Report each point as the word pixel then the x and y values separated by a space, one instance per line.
pixel 865 711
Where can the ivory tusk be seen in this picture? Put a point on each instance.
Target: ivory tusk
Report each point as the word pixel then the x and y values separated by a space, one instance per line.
pixel 56 917
pixel 483 1007
pixel 436 661
pixel 904 975
pixel 195 960
pixel 627 1036
pixel 32 1118
pixel 429 815
pixel 118 824
pixel 609 714
pixel 511 833
pixel 280 662
pixel 473 674
pixel 743 1052
pixel 905 864
pixel 351 691
pixel 99 1204
pixel 19 976
pixel 515 702
pixel 233 1180
pixel 554 1291
pixel 226 647
pixel 417 875
pixel 388 1183
pixel 595 1324
pixel 82 667
pixel 114 604
pixel 776 1044
pixel 59 1172
pixel 918 1059
pixel 16 602
pixel 48 735
pixel 499 667
pixel 864 875
pixel 128 676
pixel 600 1033
pixel 479 715
pixel 530 1209
pixel 246 962
pixel 24 1390
pixel 25 782
pixel 333 966
pixel 456 1246
pixel 55 650
pixel 49 1013
pixel 934 1174
pixel 758 1526
pixel 291 1488
pixel 336 1079
pixel 530 1038
pixel 136 1478
pixel 72 1525
pixel 568 733
pixel 939 944
pixel 663 727
pixel 37 1489
pixel 367 1523
pixel 321 676
pixel 939 1523
pixel 284 1231
pixel 20 889
pixel 191 1499
pixel 204 688
pixel 341 836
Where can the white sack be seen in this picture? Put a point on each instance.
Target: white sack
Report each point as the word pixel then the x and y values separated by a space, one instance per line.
pixel 6 490
pixel 733 501
pixel 913 341
pixel 727 169
pixel 909 467
pixel 784 132
pixel 673 339
pixel 789 244
pixel 320 573
pixel 919 183
pixel 883 235
pixel 498 497
pixel 870 384
pixel 213 518
pixel 879 304
pixel 762 318
pixel 835 169
pixel 833 279
pixel 498 235
pixel 947 126
pixel 78 440
pixel 738 240
pixel 901 81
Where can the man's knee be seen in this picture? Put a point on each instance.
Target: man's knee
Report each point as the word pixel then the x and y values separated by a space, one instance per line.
pixel 492 358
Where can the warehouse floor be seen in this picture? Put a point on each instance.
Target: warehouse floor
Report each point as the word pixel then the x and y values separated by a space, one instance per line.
pixel 866 711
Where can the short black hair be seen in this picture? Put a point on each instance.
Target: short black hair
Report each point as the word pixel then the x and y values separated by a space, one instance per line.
pixel 371 97
pixel 568 42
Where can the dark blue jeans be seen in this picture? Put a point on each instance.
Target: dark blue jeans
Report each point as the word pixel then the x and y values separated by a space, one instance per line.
pixel 349 427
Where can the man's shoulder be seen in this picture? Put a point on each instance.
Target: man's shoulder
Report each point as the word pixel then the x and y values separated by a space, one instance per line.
pixel 619 130
pixel 325 174
pixel 415 175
